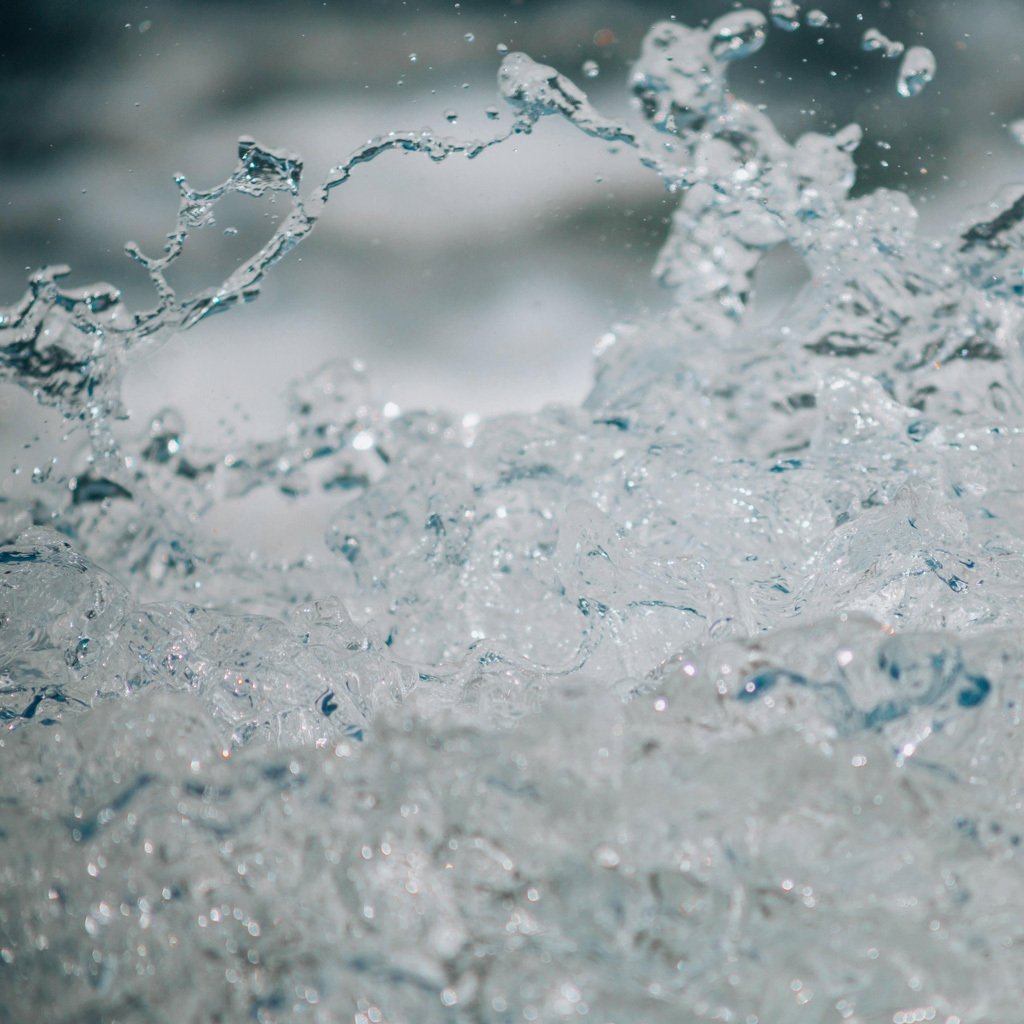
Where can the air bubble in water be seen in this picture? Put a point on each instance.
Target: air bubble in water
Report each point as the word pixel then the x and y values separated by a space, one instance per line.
pixel 785 15
pixel 916 71
pixel 591 68
pixel 737 35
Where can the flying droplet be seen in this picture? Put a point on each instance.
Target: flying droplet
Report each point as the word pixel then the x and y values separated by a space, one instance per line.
pixel 785 15
pixel 874 41
pixel 817 18
pixel 916 71
pixel 501 48
pixel 451 116
pixel 1017 132
pixel 469 37
pixel 492 113
pixel 413 58
pixel 737 35
pixel 590 68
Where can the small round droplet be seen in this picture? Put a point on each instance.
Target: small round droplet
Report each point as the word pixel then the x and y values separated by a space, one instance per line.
pixel 469 37
pixel 451 116
pixel 413 57
pixel 916 71
pixel 607 857
pixel 501 48
pixel 590 68
pixel 817 18
pixel 230 231
pixel 492 113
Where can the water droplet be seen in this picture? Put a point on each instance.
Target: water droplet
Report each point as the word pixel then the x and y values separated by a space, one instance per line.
pixel 501 48
pixel 469 37
pixel 874 41
pixel 817 18
pixel 451 116
pixel 413 58
pixel 785 15
pixel 607 857
pixel 590 69
pixel 737 35
pixel 1017 132
pixel 492 113
pixel 231 231
pixel 916 71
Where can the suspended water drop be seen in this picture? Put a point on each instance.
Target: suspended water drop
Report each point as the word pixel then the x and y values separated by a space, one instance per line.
pixel 469 37
pixel 817 19
pixel 591 69
pixel 874 41
pixel 451 116
pixel 413 58
pixel 501 48
pixel 1017 131
pixel 737 35
pixel 916 71
pixel 492 113
pixel 785 15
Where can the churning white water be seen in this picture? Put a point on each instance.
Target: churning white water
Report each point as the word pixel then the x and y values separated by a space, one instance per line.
pixel 701 701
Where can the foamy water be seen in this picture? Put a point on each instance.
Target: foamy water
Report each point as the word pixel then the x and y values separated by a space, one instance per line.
pixel 698 701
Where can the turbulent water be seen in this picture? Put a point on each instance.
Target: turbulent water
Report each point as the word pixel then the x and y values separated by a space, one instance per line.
pixel 701 701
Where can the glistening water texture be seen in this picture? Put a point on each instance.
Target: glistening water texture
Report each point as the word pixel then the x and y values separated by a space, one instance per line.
pixel 699 702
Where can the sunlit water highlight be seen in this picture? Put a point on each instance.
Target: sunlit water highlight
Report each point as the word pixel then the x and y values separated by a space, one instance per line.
pixel 700 701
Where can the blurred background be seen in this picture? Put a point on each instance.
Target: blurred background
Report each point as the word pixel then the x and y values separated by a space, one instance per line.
pixel 477 286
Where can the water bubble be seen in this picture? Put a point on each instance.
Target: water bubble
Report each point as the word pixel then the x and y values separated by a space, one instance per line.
pixel 916 71
pixel 413 57
pixel 501 48
pixel 785 15
pixel 817 18
pixel 591 69
pixel 469 37
pixel 451 116
pixel 492 113
pixel 737 35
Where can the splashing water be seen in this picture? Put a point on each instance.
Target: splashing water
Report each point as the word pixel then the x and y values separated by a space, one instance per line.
pixel 700 701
